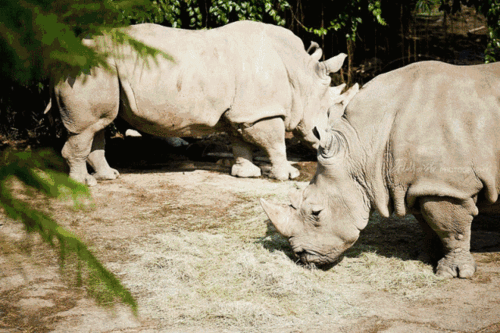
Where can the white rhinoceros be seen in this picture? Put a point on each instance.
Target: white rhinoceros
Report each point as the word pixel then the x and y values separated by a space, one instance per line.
pixel 251 79
pixel 421 140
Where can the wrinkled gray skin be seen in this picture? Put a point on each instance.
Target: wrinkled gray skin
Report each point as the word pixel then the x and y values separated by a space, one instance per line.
pixel 250 79
pixel 421 140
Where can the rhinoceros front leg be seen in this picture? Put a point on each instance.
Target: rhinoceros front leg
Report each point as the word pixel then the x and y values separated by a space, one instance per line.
pixel 269 134
pixel 432 245
pixel 243 166
pixel 97 160
pixel 451 219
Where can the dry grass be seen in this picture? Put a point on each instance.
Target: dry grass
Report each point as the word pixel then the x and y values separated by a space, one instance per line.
pixel 240 273
pixel 200 254
pixel 410 278
pixel 220 281
pixel 386 255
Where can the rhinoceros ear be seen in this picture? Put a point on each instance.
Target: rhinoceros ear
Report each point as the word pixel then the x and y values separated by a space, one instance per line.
pixel 334 64
pixel 335 91
pixel 329 144
pixel 281 217
pixel 313 47
pixel 296 198
pixel 320 134
pixel 317 53
pixel 339 103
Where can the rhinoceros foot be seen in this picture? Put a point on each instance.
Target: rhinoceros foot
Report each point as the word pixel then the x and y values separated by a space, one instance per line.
pixel 284 173
pixel 109 174
pixel 245 170
pixel 456 264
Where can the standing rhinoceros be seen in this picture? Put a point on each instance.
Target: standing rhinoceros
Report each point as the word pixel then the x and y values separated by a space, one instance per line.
pixel 423 139
pixel 251 79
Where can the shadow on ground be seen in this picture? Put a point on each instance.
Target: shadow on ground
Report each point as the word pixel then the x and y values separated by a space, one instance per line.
pixel 211 153
pixel 397 237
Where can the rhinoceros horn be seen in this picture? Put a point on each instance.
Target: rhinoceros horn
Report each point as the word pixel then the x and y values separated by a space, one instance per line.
pixel 281 217
pixel 334 64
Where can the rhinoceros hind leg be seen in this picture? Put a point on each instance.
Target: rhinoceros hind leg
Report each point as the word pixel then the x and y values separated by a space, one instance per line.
pixel 451 219
pixel 75 151
pixel 98 161
pixel 243 166
pixel 269 134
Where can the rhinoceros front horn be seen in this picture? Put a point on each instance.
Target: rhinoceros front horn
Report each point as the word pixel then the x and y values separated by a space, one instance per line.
pixel 334 64
pixel 281 217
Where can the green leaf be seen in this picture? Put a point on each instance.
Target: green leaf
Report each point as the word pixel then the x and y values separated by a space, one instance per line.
pixel 38 172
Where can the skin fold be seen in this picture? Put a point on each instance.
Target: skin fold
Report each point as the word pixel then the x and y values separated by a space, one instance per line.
pixel 419 140
pixel 253 80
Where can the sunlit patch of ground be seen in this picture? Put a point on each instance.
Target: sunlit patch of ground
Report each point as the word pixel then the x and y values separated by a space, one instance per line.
pixel 197 252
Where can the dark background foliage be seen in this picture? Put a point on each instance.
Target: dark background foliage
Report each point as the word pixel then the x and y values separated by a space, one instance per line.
pixel 378 35
pixel 42 37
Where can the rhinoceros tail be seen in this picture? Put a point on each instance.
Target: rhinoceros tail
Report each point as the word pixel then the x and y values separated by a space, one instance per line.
pixel 47 112
pixel 49 107
pixel 51 96
pixel 49 115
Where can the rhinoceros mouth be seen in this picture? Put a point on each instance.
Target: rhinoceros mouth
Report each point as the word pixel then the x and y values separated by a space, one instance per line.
pixel 313 258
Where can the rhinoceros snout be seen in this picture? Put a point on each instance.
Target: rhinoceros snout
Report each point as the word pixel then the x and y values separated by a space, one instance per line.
pixel 312 259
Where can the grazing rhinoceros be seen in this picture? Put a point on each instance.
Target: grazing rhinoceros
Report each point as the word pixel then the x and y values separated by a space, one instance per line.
pixel 424 140
pixel 251 79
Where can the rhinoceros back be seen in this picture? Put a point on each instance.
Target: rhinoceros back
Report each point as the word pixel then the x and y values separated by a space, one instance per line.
pixel 186 96
pixel 434 129
pixel 232 72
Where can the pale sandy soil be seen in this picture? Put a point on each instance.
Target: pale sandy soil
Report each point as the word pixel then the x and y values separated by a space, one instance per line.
pixel 193 246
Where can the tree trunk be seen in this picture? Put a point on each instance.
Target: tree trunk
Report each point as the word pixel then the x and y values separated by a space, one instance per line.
pixel 401 17
pixel 350 56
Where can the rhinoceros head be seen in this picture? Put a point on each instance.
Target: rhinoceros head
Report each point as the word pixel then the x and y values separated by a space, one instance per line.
pixel 318 95
pixel 325 218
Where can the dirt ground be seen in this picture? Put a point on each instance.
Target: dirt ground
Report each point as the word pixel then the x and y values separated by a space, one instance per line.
pixel 194 247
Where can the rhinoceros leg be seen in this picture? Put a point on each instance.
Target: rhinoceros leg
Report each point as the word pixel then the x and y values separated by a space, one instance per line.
pixel 243 166
pixel 75 151
pixel 432 246
pixel 451 219
pixel 269 134
pixel 97 160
